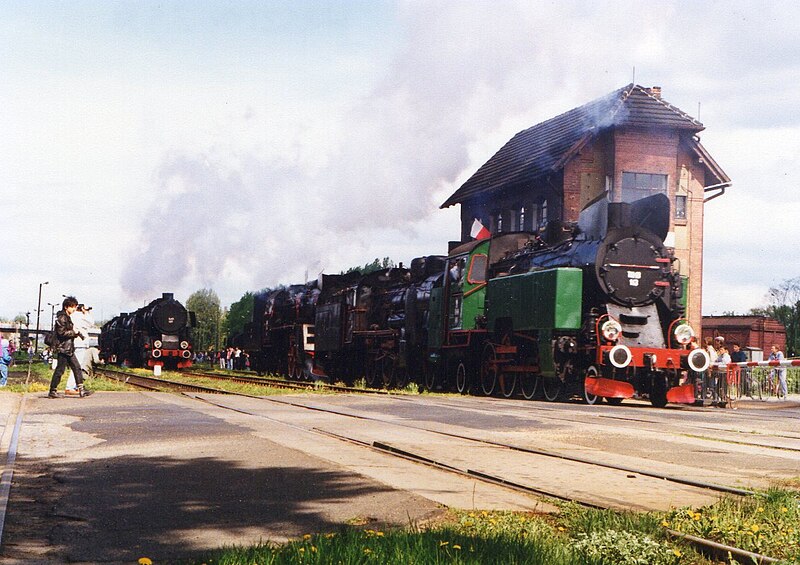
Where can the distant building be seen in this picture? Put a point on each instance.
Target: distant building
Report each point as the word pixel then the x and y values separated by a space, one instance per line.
pixel 627 145
pixel 748 331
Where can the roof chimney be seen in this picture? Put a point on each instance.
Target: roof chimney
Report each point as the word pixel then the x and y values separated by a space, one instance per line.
pixel 655 92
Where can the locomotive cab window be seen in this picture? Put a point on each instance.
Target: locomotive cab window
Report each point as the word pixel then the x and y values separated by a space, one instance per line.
pixel 477 269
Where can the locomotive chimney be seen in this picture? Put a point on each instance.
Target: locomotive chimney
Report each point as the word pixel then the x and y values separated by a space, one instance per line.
pixel 655 92
pixel 167 295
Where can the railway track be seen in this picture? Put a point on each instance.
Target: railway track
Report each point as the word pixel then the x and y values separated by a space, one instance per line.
pixel 708 546
pixel 284 383
pixel 719 551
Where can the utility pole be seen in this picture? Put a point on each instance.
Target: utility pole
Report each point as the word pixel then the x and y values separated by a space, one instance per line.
pixel 38 311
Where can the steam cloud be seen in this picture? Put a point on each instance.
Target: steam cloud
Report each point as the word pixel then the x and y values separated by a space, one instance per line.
pixel 465 79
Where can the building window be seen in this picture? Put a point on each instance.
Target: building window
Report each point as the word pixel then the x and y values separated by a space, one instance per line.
pixel 512 220
pixel 680 207
pixel 499 223
pixel 636 186
pixel 521 219
pixel 542 219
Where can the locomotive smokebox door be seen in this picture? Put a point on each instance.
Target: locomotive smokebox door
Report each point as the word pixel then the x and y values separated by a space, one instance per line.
pixel 633 268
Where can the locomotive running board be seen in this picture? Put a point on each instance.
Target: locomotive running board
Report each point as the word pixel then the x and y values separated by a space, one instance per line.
pixel 608 388
pixel 681 394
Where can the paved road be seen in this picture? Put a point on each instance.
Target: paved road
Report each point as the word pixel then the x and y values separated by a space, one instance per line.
pixel 117 476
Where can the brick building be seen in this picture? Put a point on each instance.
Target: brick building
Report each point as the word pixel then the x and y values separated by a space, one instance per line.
pixel 761 332
pixel 624 146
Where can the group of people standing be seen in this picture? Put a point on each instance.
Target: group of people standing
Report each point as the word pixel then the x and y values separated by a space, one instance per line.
pixel 718 353
pixel 231 358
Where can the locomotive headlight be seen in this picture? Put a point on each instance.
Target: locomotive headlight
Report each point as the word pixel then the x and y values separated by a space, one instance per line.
pixel 683 334
pixel 611 330
pixel 620 356
pixel 184 344
pixel 156 353
pixel 157 344
pixel 699 360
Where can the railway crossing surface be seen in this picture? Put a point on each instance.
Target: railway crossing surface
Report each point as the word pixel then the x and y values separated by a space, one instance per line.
pixel 121 475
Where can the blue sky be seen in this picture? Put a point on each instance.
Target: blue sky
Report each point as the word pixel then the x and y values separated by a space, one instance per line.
pixel 165 146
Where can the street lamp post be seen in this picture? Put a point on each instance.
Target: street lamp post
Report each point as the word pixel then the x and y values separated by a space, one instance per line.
pixel 52 314
pixel 38 311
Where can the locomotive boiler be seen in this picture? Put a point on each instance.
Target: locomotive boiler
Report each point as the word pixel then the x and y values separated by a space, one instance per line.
pixel 156 334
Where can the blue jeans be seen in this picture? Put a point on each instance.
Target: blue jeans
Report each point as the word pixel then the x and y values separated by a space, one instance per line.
pixel 3 374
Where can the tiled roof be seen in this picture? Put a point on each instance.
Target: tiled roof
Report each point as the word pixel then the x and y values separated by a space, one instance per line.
pixel 546 147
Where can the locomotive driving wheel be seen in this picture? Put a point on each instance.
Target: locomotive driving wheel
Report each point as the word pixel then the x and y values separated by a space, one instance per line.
pixel 388 370
pixel 488 369
pixel 428 375
pixel 401 377
pixel 590 398
pixel 552 388
pixel 507 380
pixel 371 371
pixel 462 379
pixel 529 384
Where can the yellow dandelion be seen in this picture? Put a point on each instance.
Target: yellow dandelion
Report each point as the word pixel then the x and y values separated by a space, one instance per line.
pixel 690 513
pixel 755 527
pixel 665 523
pixel 145 561
pixel 484 513
pixel 471 514
pixel 784 509
pixel 561 528
pixel 302 550
pixel 697 517
pixel 367 551
pixel 379 534
pixel 313 549
pixel 443 543
pixel 329 536
pixel 456 546
pixel 676 552
pixel 760 509
pixel 307 537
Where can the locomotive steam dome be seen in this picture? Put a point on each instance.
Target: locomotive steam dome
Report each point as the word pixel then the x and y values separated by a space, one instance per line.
pixel 633 267
pixel 169 316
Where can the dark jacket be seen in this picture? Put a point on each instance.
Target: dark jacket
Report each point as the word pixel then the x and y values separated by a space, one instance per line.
pixel 65 332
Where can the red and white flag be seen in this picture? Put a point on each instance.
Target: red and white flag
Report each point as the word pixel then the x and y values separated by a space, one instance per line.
pixel 479 231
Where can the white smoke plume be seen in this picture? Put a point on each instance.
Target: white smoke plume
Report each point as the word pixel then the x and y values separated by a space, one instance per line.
pixel 338 191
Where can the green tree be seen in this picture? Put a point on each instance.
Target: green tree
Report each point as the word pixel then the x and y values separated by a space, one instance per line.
pixel 375 265
pixel 240 313
pixel 205 305
pixel 784 306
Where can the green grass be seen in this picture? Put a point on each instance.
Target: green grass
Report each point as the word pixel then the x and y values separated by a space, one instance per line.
pixel 766 523
pixel 40 375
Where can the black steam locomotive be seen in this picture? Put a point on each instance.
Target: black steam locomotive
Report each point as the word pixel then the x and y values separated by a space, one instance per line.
pixel 157 334
pixel 592 309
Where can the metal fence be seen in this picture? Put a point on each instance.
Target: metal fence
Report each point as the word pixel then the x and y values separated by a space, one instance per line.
pixel 725 385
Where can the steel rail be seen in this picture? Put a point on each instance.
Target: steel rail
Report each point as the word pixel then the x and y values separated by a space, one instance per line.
pixel 707 546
